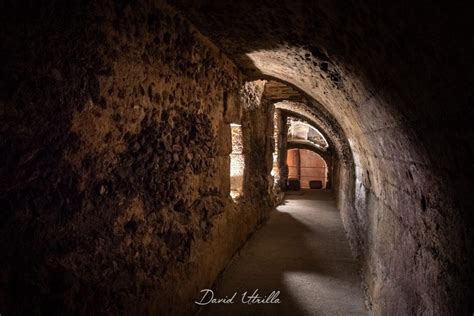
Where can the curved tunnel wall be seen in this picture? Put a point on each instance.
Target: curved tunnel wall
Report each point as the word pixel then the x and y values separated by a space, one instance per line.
pixel 342 167
pixel 381 71
pixel 382 190
pixel 390 79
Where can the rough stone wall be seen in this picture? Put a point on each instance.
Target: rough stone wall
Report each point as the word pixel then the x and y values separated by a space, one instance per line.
pixel 278 129
pixel 259 145
pixel 282 152
pixel 115 145
pixel 394 76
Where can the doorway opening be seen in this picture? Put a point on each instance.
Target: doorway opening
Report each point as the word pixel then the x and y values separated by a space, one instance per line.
pixel 237 162
pixel 306 170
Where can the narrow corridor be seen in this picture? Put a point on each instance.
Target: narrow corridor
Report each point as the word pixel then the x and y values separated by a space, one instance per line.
pixel 302 251
pixel 145 145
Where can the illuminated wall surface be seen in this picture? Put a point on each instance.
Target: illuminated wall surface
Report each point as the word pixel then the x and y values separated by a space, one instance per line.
pixel 301 131
pixel 307 167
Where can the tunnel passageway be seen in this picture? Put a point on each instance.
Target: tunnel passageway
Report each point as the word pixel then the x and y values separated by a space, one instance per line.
pixel 302 251
pixel 143 142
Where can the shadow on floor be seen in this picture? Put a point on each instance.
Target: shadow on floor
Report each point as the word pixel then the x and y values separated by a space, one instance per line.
pixel 302 252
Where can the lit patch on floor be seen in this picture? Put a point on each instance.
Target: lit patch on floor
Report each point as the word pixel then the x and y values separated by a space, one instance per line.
pixel 313 291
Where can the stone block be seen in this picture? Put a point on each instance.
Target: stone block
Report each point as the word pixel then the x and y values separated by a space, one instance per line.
pixel 224 140
pixel 232 107
pixel 224 179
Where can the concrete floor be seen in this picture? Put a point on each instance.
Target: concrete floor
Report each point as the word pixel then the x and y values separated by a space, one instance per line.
pixel 302 251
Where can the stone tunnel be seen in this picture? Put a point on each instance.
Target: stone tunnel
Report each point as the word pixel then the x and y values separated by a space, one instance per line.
pixel 144 146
